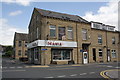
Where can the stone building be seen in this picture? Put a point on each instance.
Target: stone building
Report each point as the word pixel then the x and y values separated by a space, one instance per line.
pixel 20 45
pixel 58 38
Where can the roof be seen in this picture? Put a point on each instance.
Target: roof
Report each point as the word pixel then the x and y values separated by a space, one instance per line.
pixel 21 36
pixel 63 16
pixel 102 24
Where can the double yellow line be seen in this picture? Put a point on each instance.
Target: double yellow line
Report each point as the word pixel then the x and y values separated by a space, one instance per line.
pixel 105 76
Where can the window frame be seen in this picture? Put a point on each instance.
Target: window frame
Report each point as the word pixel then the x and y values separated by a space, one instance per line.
pixel 99 39
pixel 69 31
pixel 19 51
pixel 114 52
pixel 113 40
pixel 100 51
pixel 84 34
pixel 52 29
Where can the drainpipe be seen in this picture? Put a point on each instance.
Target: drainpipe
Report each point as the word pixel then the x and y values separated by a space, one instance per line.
pixel 106 46
pixel 77 42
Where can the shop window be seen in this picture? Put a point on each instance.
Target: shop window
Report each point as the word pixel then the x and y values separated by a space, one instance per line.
pixel 52 31
pixel 70 33
pixel 36 53
pixel 84 34
pixel 61 54
pixel 100 39
pixel 61 33
pixel 113 53
pixel 19 53
pixel 113 40
pixel 20 43
pixel 100 53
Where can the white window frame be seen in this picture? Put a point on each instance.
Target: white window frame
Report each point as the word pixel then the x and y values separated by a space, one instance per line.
pixel 99 38
pixel 113 53
pixel 53 29
pixel 71 31
pixel 100 52
pixel 113 40
pixel 84 32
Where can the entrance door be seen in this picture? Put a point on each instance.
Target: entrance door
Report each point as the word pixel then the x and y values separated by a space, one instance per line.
pixel 94 54
pixel 108 55
pixel 85 57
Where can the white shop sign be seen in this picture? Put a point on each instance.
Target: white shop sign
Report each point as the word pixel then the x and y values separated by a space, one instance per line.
pixel 52 43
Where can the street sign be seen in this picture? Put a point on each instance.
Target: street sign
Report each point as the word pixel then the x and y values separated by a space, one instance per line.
pixel 43 49
pixel 81 50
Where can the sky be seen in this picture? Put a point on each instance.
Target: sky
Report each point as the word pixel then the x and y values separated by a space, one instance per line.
pixel 15 14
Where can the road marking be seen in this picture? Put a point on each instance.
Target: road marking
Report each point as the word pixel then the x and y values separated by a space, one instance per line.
pixel 83 73
pixel 62 69
pixel 11 67
pixel 4 67
pixel 48 77
pixel 109 66
pixel 62 76
pixel 19 67
pixel 117 67
pixel 105 76
pixel 13 70
pixel 36 66
pixel 73 75
pixel 92 72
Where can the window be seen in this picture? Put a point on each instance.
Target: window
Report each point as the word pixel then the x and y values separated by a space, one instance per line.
pixel 36 53
pixel 100 53
pixel 113 53
pixel 19 53
pixel 25 44
pixel 61 33
pixel 61 54
pixel 100 39
pixel 25 52
pixel 70 33
pixel 52 31
pixel 84 34
pixel 113 40
pixel 20 43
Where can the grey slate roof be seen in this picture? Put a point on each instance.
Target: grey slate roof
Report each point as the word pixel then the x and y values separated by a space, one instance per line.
pixel 62 16
pixel 21 36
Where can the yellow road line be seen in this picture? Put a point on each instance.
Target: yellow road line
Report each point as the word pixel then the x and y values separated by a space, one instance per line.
pixel 35 66
pixel 105 76
pixel 61 68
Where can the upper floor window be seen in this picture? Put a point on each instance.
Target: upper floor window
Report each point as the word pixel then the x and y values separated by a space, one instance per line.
pixel 100 39
pixel 19 53
pixel 61 33
pixel 52 31
pixel 113 40
pixel 26 44
pixel 113 53
pixel 25 52
pixel 20 43
pixel 84 34
pixel 70 33
pixel 100 53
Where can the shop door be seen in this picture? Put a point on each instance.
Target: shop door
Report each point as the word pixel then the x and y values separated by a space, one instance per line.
pixel 108 55
pixel 94 55
pixel 85 57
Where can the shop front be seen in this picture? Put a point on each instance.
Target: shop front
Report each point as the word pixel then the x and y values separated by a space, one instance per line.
pixel 52 52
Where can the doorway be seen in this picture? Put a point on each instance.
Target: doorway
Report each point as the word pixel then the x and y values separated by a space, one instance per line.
pixel 94 54
pixel 108 55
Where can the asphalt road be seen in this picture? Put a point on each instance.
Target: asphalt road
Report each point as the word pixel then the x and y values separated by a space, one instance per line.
pixel 21 70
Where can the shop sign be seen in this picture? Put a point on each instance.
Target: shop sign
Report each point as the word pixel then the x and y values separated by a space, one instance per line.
pixel 54 43
pixel 43 49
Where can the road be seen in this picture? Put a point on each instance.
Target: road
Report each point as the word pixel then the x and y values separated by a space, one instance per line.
pixel 21 70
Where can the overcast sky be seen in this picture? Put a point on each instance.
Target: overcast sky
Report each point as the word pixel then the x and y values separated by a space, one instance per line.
pixel 16 14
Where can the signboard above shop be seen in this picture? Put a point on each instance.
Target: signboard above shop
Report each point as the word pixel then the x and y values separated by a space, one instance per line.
pixel 52 43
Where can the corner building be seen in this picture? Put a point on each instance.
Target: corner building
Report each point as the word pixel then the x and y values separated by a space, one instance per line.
pixel 58 38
